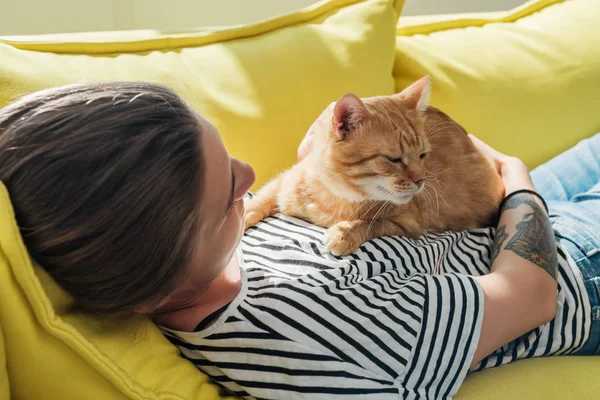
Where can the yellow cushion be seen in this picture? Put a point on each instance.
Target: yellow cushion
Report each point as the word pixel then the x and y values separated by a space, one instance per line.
pixel 527 81
pixel 51 354
pixel 4 385
pixel 550 378
pixel 260 85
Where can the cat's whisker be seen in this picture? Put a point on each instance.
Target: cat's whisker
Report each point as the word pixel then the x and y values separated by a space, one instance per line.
pixel 427 197
pixel 375 203
pixel 429 174
pixel 385 207
pixel 382 207
pixel 433 139
pixel 388 202
pixel 439 132
pixel 442 197
pixel 430 200
pixel 437 204
pixel 372 221
pixel 360 206
pixel 443 124
pixel 380 210
pixel 432 135
pixel 440 125
pixel 369 198
pixel 432 181
pixel 436 200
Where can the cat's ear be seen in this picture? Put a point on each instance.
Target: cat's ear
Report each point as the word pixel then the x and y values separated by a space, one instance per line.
pixel 417 95
pixel 348 112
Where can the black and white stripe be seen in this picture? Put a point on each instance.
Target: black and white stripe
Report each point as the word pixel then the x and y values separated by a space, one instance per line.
pixel 400 318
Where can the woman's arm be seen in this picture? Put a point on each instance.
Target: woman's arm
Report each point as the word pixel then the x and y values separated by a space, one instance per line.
pixel 520 293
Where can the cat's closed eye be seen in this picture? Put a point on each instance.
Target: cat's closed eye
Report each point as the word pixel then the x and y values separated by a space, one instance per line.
pixel 394 159
pixel 422 156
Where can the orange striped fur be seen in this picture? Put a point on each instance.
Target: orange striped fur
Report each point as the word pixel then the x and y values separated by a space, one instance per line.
pixel 387 165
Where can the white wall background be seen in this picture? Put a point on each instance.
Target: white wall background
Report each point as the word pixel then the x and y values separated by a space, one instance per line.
pixel 421 7
pixel 21 17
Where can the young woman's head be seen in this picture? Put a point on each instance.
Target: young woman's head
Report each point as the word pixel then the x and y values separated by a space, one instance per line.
pixel 121 191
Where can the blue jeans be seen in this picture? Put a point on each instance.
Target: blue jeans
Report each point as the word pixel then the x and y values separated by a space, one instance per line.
pixel 570 184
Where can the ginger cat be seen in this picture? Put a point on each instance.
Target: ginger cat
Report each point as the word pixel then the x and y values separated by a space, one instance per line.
pixel 388 165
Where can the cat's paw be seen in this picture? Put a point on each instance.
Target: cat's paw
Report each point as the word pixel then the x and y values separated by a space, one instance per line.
pixel 252 218
pixel 340 239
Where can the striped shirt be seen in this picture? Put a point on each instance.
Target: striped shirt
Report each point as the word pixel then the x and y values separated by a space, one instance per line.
pixel 398 319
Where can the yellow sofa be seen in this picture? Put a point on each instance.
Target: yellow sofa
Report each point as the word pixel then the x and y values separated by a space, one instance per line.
pixel 526 81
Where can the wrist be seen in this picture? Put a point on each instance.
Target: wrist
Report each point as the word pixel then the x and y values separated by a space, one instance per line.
pixel 516 176
pixel 516 185
pixel 532 193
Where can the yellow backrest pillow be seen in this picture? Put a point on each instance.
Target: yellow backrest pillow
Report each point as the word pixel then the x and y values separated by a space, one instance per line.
pixel 526 81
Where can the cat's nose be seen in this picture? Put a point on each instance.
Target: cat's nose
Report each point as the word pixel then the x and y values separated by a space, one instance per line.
pixel 419 182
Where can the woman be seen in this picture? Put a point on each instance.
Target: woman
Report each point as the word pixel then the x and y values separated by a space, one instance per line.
pixel 128 198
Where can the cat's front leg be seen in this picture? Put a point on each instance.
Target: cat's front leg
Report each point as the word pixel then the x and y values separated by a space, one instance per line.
pixel 346 237
pixel 263 204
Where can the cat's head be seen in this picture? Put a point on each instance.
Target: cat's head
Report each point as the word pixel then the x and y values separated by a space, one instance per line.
pixel 376 148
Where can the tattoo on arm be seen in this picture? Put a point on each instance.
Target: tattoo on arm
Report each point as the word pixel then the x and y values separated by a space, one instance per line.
pixel 533 239
pixel 499 240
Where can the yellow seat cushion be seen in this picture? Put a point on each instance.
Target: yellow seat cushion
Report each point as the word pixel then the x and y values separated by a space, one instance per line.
pixel 549 378
pixel 527 81
pixel 4 385
pixel 261 85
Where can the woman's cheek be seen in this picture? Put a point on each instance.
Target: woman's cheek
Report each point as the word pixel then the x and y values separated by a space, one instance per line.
pixel 235 225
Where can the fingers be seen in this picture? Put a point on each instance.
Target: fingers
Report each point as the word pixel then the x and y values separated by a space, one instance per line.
pixel 304 147
pixel 487 149
pixel 480 144
pixel 326 114
pixel 320 123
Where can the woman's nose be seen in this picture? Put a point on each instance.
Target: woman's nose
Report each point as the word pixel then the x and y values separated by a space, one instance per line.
pixel 245 178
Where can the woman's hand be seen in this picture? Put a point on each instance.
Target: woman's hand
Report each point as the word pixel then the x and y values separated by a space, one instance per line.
pixel 306 144
pixel 513 171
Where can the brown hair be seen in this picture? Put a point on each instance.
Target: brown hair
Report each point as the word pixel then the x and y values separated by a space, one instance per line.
pixel 105 180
